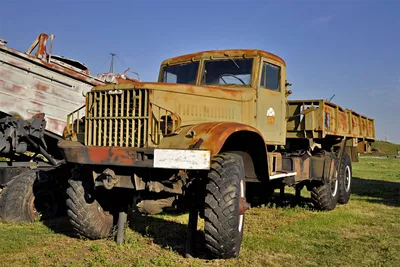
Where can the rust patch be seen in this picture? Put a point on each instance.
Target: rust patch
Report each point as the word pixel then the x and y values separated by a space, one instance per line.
pixel 114 156
pixel 41 87
pixel 15 88
pixel 212 134
pixel 222 54
pixel 243 205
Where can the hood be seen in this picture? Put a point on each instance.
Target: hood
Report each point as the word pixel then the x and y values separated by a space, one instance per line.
pixel 231 93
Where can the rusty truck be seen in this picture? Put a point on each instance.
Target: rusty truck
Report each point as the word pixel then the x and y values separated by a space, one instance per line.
pixel 213 135
pixel 37 91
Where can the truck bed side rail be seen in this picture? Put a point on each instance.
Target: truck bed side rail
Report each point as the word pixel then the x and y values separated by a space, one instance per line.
pixel 321 118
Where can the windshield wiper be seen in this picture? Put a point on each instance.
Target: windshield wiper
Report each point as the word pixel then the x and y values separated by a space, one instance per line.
pixel 227 55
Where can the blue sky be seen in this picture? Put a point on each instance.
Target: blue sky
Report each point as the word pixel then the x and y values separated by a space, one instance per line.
pixel 347 48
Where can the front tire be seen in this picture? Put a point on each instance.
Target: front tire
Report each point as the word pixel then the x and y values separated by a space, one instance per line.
pixel 224 211
pixel 345 175
pixel 86 214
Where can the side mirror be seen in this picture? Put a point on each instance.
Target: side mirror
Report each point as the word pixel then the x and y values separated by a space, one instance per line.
pixel 288 92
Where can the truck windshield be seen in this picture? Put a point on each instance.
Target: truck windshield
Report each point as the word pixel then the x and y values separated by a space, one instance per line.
pixel 227 72
pixel 183 73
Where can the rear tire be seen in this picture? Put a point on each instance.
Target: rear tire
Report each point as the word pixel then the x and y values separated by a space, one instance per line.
pixel 325 196
pixel 345 175
pixel 26 198
pixel 86 214
pixel 223 223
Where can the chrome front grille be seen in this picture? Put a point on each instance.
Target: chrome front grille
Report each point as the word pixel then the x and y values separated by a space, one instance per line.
pixel 117 118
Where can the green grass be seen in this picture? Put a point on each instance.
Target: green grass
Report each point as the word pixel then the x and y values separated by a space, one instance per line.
pixel 365 232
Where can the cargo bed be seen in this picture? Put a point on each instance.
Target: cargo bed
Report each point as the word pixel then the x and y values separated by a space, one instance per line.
pixel 322 119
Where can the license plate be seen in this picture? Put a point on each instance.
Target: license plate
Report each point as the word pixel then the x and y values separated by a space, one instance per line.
pixel 182 159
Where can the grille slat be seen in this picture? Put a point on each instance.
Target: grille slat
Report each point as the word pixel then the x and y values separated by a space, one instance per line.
pixel 146 113
pixel 95 120
pixel 128 94
pixel 118 118
pixel 139 120
pixel 116 111
pixel 110 108
pixel 133 121
pixel 121 121
pixel 100 131
pixel 105 113
pixel 89 131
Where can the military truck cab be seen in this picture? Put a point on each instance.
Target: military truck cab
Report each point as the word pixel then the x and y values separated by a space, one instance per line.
pixel 261 74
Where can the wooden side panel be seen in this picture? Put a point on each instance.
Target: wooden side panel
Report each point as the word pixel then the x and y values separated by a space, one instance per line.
pixel 29 85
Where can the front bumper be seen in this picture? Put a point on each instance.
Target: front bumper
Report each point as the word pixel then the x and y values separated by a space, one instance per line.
pixel 75 152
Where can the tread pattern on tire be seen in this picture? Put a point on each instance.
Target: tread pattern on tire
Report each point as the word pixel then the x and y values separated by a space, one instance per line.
pixel 16 197
pixel 86 214
pixel 344 196
pixel 322 198
pixel 222 236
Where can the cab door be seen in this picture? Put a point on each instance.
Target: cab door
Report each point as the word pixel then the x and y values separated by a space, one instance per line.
pixel 271 103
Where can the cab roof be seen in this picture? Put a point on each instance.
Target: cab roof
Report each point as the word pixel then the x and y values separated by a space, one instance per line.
pixel 222 53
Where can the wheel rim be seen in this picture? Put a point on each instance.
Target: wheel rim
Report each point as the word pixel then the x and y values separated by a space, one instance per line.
pixel 241 217
pixel 347 179
pixel 334 188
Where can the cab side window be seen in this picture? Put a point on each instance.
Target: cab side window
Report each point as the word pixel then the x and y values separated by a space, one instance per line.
pixel 270 77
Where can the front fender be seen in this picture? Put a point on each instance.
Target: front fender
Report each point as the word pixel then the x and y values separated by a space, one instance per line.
pixel 210 136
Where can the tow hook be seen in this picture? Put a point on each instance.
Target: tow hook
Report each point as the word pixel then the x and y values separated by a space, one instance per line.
pixel 243 205
pixel 110 179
